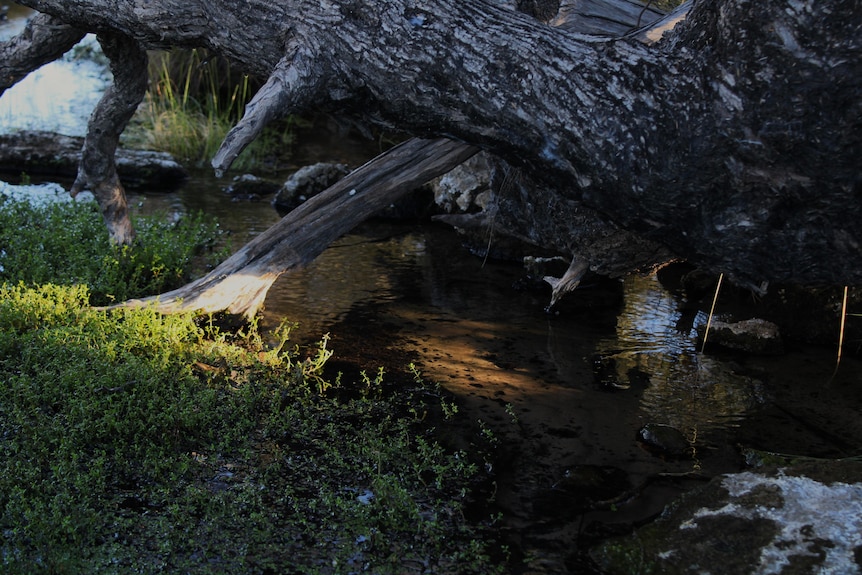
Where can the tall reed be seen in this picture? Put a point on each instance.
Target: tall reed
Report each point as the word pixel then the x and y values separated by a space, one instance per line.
pixel 192 103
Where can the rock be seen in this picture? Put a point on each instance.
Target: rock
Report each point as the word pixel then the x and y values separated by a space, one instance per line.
pixel 752 336
pixel 250 187
pixel 806 518
pixel 664 440
pixel 465 189
pixel 582 487
pixel 306 183
pixel 464 196
pixel 50 154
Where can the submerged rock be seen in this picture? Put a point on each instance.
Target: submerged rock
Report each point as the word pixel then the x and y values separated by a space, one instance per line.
pixel 582 487
pixel 752 336
pixel 805 518
pixel 664 440
pixel 250 187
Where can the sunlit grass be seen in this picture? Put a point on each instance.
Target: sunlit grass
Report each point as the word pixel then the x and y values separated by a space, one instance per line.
pixel 68 243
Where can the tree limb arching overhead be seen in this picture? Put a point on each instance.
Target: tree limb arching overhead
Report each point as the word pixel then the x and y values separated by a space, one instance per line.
pixel 734 141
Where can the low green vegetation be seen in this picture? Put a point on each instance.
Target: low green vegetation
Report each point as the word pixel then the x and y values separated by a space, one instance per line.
pixel 133 442
pixel 66 243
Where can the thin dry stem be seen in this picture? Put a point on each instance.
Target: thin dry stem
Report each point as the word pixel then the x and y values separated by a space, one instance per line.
pixel 841 332
pixel 711 311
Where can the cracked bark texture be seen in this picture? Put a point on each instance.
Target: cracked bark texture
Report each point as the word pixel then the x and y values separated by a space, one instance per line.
pixel 734 141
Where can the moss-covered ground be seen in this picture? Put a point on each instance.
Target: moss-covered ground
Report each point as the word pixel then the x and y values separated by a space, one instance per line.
pixel 132 442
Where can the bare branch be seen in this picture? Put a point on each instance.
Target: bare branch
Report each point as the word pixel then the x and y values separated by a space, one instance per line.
pixel 288 89
pixel 239 285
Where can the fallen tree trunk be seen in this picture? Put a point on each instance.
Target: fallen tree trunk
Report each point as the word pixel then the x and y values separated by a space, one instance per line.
pixel 734 142
pixel 57 155
pixel 239 285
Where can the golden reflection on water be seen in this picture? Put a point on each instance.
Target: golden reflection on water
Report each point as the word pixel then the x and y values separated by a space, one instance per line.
pixel 482 340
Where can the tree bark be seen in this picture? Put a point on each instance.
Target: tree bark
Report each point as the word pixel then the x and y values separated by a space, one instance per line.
pixel 734 141
pixel 97 171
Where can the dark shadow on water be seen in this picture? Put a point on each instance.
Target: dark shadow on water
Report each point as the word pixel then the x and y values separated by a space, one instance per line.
pixel 565 395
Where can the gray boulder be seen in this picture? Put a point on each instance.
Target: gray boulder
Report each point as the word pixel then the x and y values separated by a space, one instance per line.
pixel 751 335
pixel 250 187
pixel 466 188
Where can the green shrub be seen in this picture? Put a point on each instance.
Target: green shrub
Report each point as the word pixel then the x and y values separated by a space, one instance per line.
pixel 193 101
pixel 136 442
pixel 66 243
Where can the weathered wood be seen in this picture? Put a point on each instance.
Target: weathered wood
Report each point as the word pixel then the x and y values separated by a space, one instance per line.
pixel 239 285
pixel 601 18
pixel 734 141
pixel 97 171
pixel 57 155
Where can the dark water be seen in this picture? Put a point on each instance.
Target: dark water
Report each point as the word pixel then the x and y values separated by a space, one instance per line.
pixel 564 395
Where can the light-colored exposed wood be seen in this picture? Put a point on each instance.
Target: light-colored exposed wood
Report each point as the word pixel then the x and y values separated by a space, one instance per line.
pixel 240 283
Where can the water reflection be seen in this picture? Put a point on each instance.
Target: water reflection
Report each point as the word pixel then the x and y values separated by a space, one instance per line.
pixel 16 18
pixel 649 320
pixel 560 393
pixel 58 97
pixel 678 386
pixel 361 268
